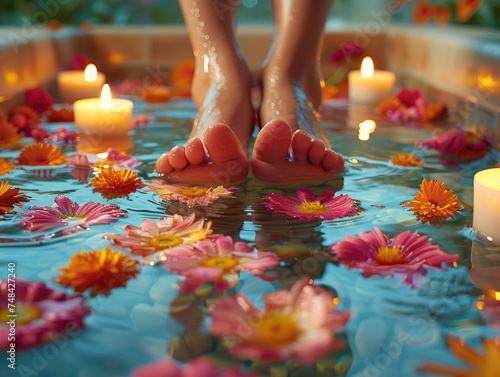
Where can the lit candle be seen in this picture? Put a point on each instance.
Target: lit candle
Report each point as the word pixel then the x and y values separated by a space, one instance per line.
pixel 75 85
pixel 103 116
pixel 487 204
pixel 369 86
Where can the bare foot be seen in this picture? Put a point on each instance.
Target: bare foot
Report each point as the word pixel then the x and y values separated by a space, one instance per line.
pixel 217 149
pixel 291 146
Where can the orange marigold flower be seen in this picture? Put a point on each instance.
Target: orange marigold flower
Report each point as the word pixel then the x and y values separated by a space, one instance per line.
pixel 330 92
pixel 31 115
pixel 53 25
pixel 182 75
pixel 10 197
pixel 467 8
pixel 8 134
pixel 64 115
pixel 5 166
pixel 484 364
pixel 156 94
pixel 443 14
pixel 406 159
pixel 116 183
pixel 42 154
pixel 85 25
pixel 423 12
pixel 433 202
pixel 99 271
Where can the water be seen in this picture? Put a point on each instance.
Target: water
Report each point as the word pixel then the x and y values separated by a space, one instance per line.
pixel 392 328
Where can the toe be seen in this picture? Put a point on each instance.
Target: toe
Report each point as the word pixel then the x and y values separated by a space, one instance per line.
pixel 340 166
pixel 222 144
pixel 163 164
pixel 301 141
pixel 329 162
pixel 316 152
pixel 195 153
pixel 273 142
pixel 177 157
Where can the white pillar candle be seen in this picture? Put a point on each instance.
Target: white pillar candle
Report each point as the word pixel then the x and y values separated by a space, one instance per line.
pixel 487 204
pixel 75 85
pixel 369 86
pixel 103 116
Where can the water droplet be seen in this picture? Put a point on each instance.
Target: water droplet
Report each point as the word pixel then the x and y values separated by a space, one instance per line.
pixel 207 37
pixel 202 24
pixel 204 45
pixel 290 18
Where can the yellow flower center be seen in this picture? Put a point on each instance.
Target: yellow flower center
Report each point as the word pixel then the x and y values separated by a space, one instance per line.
pixel 194 191
pixel 312 207
pixel 197 236
pixel 104 163
pixel 226 263
pixel 277 329
pixel 389 255
pixel 165 241
pixel 25 314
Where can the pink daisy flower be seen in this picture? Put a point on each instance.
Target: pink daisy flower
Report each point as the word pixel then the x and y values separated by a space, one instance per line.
pixel 111 157
pixel 155 241
pixel 140 120
pixel 406 256
pixel 189 194
pixel 299 323
pixel 42 313
pixel 201 367
pixel 65 211
pixel 460 143
pixel 218 261
pixel 310 207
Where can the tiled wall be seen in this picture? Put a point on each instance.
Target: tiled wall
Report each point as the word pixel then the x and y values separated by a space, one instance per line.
pixel 453 64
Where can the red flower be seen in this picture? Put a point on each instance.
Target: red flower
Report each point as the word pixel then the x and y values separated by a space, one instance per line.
pixel 467 8
pixel 344 51
pixel 38 100
pixel 64 115
pixel 459 143
pixel 78 62
pixel 423 12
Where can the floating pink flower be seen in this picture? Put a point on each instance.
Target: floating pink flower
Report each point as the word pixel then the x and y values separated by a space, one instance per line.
pixel 218 261
pixel 65 211
pixel 78 62
pixel 345 51
pixel 460 143
pixel 111 157
pixel 310 207
pixel 299 323
pixel 64 136
pixel 201 367
pixel 140 120
pixel 42 313
pixel 155 241
pixel 189 194
pixel 406 256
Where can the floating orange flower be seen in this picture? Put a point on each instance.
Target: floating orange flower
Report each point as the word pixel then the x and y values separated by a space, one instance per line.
pixel 433 202
pixel 28 113
pixel 182 75
pixel 156 94
pixel 42 154
pixel 467 8
pixel 5 166
pixel 98 271
pixel 10 197
pixel 53 25
pixel 116 183
pixel 85 25
pixel 484 364
pixel 423 12
pixel 330 92
pixel 443 14
pixel 64 115
pixel 8 134
pixel 406 159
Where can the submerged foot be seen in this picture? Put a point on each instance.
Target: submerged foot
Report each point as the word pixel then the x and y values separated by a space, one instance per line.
pixel 280 156
pixel 224 162
pixel 217 149
pixel 291 146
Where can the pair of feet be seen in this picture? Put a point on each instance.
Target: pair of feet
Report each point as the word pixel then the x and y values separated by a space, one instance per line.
pixel 290 147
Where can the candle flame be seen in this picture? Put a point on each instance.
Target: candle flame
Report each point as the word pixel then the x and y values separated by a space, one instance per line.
pixel 91 73
pixel 367 67
pixel 497 296
pixel 106 97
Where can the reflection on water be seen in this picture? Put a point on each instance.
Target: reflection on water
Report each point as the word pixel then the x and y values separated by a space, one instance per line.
pixel 392 328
